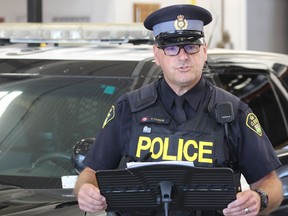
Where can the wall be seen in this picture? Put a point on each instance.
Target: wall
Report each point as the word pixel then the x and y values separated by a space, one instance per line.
pixel 235 22
pixel 248 29
pixel 267 29
pixel 108 11
pixel 19 12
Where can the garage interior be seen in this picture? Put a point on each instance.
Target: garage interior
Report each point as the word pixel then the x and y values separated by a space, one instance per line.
pixel 239 24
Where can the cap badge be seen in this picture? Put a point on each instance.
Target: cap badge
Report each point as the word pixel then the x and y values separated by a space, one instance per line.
pixel 180 23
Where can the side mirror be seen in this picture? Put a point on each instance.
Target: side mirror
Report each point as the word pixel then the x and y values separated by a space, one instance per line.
pixel 79 153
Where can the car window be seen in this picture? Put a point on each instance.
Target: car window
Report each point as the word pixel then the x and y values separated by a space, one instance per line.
pixel 282 71
pixel 47 106
pixel 43 118
pixel 256 88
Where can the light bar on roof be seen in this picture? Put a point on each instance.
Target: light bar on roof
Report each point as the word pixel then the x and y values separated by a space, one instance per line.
pixel 73 33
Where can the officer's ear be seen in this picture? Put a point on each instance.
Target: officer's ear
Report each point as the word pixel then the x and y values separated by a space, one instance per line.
pixel 205 48
pixel 156 51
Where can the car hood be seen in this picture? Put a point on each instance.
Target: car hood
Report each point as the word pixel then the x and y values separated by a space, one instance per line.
pixel 38 202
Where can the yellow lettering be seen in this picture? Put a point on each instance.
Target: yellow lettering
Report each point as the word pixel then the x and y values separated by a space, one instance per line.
pixel 152 149
pixel 144 143
pixel 180 149
pixel 185 151
pixel 203 150
pixel 160 149
pixel 165 153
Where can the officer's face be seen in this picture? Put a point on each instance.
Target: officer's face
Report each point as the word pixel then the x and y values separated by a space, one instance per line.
pixel 182 71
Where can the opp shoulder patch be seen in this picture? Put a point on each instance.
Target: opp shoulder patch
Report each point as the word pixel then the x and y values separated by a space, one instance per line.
pixel 252 122
pixel 110 116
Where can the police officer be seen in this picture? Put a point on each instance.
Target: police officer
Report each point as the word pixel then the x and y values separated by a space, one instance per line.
pixel 151 121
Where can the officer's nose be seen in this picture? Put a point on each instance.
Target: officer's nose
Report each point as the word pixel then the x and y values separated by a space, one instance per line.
pixel 182 53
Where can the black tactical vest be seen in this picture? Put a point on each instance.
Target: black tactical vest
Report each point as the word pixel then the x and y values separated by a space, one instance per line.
pixel 200 140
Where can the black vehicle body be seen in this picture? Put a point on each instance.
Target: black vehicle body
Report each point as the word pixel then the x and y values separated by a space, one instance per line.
pixel 52 101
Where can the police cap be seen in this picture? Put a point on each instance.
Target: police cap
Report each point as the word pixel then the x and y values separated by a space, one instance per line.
pixel 178 24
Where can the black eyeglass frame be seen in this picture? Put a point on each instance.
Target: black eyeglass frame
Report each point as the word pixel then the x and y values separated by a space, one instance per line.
pixel 180 46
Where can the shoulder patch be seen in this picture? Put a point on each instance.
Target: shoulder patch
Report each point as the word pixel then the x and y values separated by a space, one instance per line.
pixel 252 122
pixel 110 116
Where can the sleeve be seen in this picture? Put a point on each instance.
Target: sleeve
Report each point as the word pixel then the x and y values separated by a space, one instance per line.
pixel 256 154
pixel 106 151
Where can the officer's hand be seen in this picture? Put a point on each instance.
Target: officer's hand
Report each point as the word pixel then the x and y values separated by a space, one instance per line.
pixel 90 199
pixel 247 203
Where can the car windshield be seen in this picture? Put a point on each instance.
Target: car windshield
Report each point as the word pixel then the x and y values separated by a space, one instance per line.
pixel 43 117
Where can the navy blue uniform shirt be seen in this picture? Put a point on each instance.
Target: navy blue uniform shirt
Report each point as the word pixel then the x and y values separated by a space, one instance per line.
pixel 192 98
pixel 255 154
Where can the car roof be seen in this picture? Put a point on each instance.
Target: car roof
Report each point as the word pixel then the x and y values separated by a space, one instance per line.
pixel 129 52
pixel 247 56
pixel 124 52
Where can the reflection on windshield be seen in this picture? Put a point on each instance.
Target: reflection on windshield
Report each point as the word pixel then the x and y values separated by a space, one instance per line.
pixel 6 98
pixel 43 118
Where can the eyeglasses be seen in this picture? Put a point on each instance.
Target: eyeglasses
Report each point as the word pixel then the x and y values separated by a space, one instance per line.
pixel 175 49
